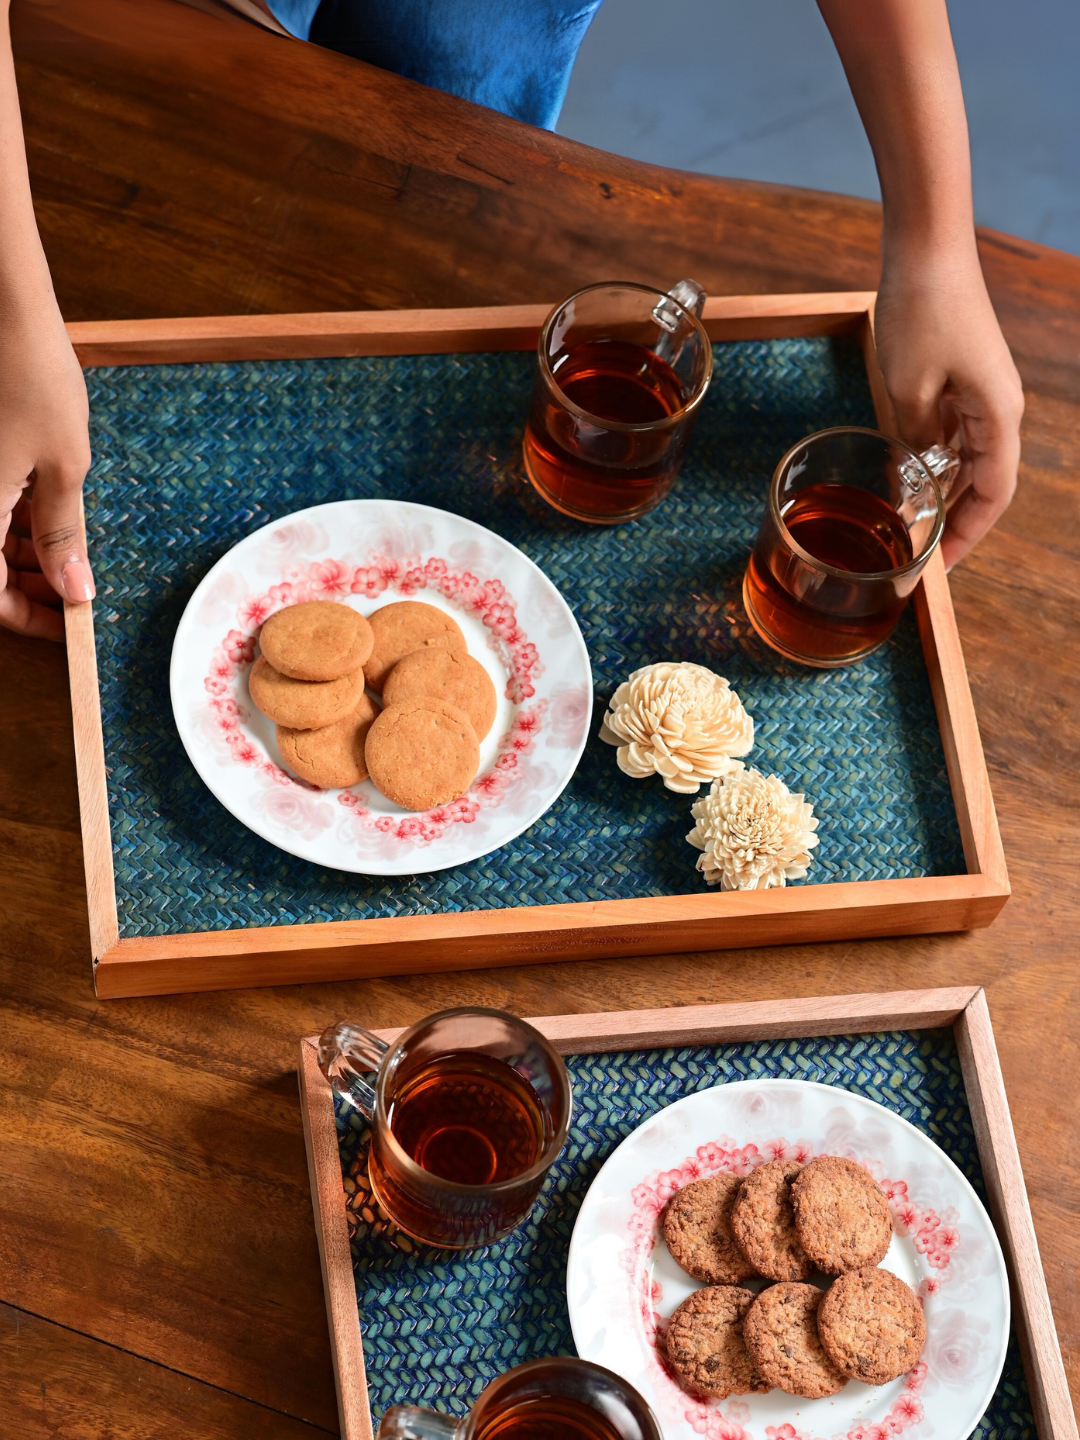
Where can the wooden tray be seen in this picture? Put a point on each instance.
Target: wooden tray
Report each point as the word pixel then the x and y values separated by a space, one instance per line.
pixel 965 1010
pixel 288 953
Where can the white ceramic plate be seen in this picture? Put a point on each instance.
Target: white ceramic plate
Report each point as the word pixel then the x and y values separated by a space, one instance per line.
pixel 368 553
pixel 622 1285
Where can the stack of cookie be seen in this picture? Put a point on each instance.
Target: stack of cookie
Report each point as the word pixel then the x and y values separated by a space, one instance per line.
pixel 788 1222
pixel 423 747
pixel 309 680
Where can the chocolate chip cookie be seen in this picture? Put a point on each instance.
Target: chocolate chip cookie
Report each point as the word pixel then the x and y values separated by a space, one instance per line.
pixel 705 1343
pixel 871 1325
pixel 763 1222
pixel 781 1335
pixel 841 1214
pixel 697 1228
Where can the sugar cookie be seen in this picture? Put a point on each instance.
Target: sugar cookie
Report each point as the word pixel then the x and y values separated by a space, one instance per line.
pixel 450 675
pixel 403 627
pixel 332 756
pixel 422 753
pixel 316 640
pixel 303 704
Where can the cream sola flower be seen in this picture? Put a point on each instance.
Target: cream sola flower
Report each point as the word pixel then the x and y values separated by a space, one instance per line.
pixel 754 832
pixel 679 721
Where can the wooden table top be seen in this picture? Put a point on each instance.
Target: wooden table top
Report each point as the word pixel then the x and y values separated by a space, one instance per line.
pixel 158 1267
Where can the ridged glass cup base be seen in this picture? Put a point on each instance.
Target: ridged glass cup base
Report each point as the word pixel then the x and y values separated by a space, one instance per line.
pixel 589 516
pixel 789 654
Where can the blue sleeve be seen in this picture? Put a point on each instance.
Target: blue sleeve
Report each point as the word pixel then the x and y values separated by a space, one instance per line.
pixel 295 15
pixel 512 55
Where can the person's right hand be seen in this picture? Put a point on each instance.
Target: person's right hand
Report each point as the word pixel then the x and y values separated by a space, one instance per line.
pixel 44 457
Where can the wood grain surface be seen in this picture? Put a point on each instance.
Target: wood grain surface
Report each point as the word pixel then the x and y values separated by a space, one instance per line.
pixel 157 1252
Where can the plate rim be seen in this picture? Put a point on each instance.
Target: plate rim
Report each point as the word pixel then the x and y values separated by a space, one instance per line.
pixel 384 869
pixel 876 1107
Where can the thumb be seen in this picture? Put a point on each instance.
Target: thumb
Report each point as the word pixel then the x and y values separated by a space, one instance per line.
pixel 56 520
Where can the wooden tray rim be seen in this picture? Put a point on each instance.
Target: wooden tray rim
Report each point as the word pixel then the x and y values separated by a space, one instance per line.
pixel 328 950
pixel 963 1009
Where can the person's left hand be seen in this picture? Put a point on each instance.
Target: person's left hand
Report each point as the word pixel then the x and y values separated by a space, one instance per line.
pixel 950 377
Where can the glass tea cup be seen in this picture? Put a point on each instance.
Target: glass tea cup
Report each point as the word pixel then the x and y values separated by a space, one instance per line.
pixel 556 1399
pixel 622 370
pixel 469 1109
pixel 851 520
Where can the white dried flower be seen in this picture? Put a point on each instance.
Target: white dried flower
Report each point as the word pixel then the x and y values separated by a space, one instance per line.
pixel 679 721
pixel 755 833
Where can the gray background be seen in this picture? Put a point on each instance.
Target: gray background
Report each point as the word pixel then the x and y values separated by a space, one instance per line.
pixel 753 89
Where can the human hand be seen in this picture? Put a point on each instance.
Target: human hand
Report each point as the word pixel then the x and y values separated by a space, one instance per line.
pixel 950 376
pixel 44 457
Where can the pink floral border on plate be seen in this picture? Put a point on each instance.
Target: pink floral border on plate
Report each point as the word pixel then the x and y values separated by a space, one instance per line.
pixel 487 600
pixel 934 1236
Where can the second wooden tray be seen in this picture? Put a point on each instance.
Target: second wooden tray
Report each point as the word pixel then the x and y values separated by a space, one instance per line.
pixel 438 1327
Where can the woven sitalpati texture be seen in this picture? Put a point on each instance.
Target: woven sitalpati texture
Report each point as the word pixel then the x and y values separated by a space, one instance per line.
pixel 438 1328
pixel 188 459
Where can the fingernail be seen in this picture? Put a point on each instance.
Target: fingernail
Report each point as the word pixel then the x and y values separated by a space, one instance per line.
pixel 78 582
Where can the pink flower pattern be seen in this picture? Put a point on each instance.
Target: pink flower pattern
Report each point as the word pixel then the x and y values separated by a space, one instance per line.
pixel 227 717
pixel 239 648
pixel 932 1238
pixel 487 600
pixel 932 1235
pixel 294 808
pixel 331 579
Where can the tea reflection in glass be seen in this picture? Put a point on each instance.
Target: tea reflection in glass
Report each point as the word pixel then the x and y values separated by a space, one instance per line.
pixel 851 520
pixel 621 371
pixel 559 1398
pixel 469 1109
pixel 468 1117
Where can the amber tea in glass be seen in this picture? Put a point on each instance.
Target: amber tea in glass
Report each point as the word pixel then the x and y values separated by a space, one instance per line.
pixel 621 371
pixel 548 1417
pixel 468 1117
pixel 555 1399
pixel 851 520
pixel 469 1110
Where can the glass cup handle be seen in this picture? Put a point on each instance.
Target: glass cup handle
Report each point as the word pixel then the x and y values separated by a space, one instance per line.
pixel 684 298
pixel 409 1422
pixel 347 1053
pixel 944 464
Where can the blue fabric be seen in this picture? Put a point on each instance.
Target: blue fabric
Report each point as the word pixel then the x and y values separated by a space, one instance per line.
pixel 295 15
pixel 512 55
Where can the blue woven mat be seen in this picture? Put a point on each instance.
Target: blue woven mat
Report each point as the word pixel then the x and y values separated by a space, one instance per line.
pixel 190 458
pixel 436 1329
